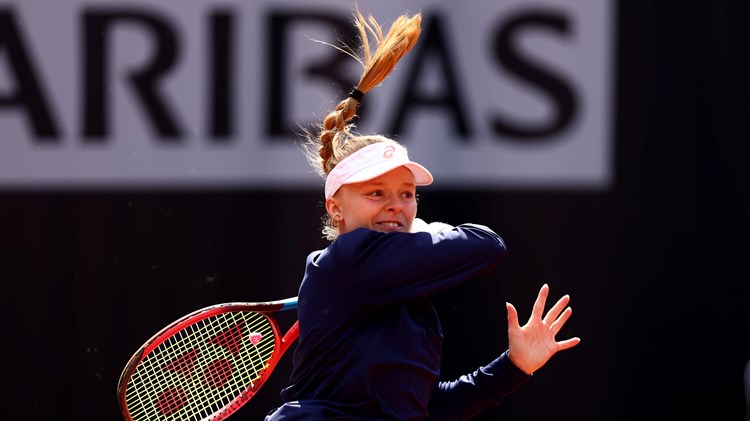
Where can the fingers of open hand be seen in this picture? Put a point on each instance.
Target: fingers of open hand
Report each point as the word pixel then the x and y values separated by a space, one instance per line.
pixel 541 300
pixel 568 343
pixel 559 322
pixel 553 314
pixel 512 316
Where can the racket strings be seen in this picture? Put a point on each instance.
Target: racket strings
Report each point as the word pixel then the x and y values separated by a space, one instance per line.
pixel 202 369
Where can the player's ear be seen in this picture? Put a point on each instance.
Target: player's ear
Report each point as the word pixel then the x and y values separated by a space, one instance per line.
pixel 332 207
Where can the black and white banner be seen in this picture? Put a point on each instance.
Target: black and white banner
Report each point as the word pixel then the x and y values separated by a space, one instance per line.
pixel 188 93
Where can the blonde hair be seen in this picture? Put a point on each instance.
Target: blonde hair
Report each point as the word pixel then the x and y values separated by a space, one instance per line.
pixel 379 55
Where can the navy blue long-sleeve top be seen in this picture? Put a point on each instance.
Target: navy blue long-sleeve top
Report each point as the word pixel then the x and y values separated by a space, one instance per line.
pixel 370 342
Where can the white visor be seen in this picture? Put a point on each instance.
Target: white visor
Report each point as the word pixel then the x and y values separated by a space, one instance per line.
pixel 373 161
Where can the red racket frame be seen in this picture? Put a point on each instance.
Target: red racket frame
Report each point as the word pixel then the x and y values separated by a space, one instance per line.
pixel 281 344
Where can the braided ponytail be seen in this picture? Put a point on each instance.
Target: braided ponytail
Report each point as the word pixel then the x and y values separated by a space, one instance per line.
pixel 379 55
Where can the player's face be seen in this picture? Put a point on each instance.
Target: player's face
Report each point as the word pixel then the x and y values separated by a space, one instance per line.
pixel 386 203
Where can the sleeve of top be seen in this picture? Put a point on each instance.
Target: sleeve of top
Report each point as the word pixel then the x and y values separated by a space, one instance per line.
pixel 473 393
pixel 381 269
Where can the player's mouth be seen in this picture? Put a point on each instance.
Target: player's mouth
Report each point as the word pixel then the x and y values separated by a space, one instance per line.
pixel 389 225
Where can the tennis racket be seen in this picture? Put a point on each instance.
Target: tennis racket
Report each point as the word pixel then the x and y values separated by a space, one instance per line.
pixel 205 365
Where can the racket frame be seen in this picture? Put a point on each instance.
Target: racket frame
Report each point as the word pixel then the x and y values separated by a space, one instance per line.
pixel 281 344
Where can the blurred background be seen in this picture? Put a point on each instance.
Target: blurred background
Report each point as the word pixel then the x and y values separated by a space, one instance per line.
pixel 149 166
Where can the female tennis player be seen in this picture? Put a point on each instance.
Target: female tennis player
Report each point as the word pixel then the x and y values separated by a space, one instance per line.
pixel 370 341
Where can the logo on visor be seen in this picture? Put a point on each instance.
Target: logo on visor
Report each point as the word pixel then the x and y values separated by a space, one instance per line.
pixel 388 153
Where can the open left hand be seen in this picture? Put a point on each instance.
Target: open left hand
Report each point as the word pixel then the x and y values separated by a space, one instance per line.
pixel 534 343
